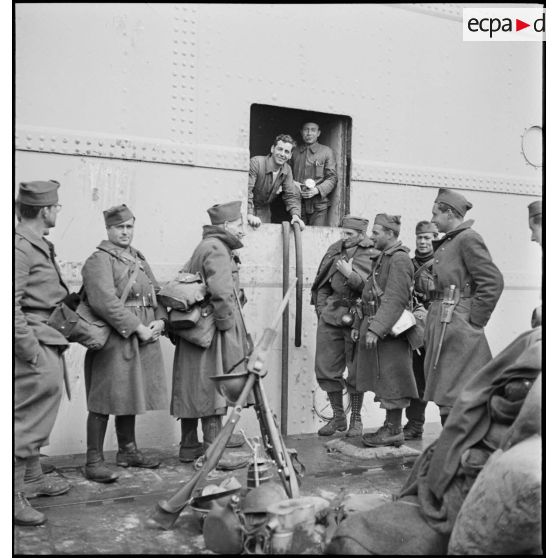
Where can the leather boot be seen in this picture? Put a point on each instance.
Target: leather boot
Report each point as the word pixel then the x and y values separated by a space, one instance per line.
pixel 95 468
pixel 190 446
pixel 24 513
pixel 355 425
pixel 413 430
pixel 36 484
pixel 128 454
pixel 391 434
pixel 339 421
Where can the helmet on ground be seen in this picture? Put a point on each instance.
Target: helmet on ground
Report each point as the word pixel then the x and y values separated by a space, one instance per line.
pixel 259 498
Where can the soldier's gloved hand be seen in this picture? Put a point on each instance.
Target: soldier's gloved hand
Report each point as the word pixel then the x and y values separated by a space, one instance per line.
pixel 371 340
pixel 345 268
pixel 254 221
pixel 355 335
pixel 144 333
pixel 297 219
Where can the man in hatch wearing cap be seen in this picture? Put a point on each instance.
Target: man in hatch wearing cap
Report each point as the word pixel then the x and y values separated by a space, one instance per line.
pixel 423 290
pixel 338 284
pixel 384 363
pixel 272 194
pixel 194 394
pixel 461 259
pixel 126 377
pixel 38 348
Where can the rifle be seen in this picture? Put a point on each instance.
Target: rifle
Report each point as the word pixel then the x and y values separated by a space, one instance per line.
pixel 448 304
pixel 166 512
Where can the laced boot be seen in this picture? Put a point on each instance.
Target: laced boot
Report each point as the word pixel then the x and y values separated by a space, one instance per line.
pixel 95 468
pixel 355 425
pixel 339 421
pixel 24 513
pixel 415 420
pixel 36 484
pixel 128 454
pixel 190 446
pixel 391 434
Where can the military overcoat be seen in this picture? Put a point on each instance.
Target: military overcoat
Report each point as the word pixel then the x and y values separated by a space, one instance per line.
pixel 38 287
pixel 392 271
pixel 124 377
pixel 193 392
pixel 462 259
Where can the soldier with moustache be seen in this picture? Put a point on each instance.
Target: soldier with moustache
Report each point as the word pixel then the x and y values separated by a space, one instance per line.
pixel 126 377
pixel 337 286
pixel 423 290
pixel 384 362
pixel 38 348
pixel 462 259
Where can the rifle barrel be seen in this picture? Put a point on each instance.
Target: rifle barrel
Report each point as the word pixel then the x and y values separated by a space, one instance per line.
pixel 283 305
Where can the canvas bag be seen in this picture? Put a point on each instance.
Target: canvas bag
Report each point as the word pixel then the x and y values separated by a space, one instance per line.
pixel 82 325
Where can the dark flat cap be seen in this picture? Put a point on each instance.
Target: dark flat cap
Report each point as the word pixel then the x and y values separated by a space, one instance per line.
pixel 392 222
pixel 38 193
pixel 222 212
pixel 357 223
pixel 454 200
pixel 535 208
pixel 426 227
pixel 117 214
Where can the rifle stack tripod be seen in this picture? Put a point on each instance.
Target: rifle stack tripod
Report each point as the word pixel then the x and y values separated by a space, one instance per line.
pixel 237 388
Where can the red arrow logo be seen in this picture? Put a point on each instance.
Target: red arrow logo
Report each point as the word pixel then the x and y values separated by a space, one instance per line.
pixel 519 25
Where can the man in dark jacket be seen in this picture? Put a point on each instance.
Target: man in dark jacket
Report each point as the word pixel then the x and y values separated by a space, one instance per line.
pixel 315 162
pixel 423 290
pixel 384 362
pixel 39 363
pixel 338 284
pixel 270 186
pixel 461 259
pixel 194 394
pixel 535 225
pixel 126 377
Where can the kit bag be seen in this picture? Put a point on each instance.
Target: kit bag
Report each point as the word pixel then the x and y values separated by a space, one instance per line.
pixel 203 330
pixel 81 325
pixel 184 292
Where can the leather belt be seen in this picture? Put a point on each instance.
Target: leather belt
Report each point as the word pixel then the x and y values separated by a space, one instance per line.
pixel 459 293
pixel 139 301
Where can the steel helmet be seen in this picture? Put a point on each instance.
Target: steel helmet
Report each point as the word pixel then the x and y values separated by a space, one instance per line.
pixel 259 498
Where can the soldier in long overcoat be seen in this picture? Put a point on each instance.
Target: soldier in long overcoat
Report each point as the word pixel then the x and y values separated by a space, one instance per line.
pixel 126 377
pixel 462 259
pixel 338 284
pixel 384 363
pixel 39 362
pixel 423 291
pixel 194 394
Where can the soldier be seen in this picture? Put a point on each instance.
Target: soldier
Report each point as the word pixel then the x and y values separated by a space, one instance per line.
pixel 338 284
pixel 317 162
pixel 126 377
pixel 270 183
pixel 39 362
pixel 423 289
pixel 535 224
pixel 384 363
pixel 194 394
pixel 462 259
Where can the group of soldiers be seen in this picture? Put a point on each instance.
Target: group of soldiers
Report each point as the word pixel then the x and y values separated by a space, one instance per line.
pixel 371 279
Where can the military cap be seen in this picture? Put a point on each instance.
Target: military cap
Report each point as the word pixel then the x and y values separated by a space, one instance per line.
pixel 38 193
pixel 455 200
pixel 535 208
pixel 357 223
pixel 426 227
pixel 117 214
pixel 392 222
pixel 222 212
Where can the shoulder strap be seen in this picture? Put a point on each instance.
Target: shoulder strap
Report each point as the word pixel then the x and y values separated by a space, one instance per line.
pixel 129 284
pixel 420 268
pixel 240 309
